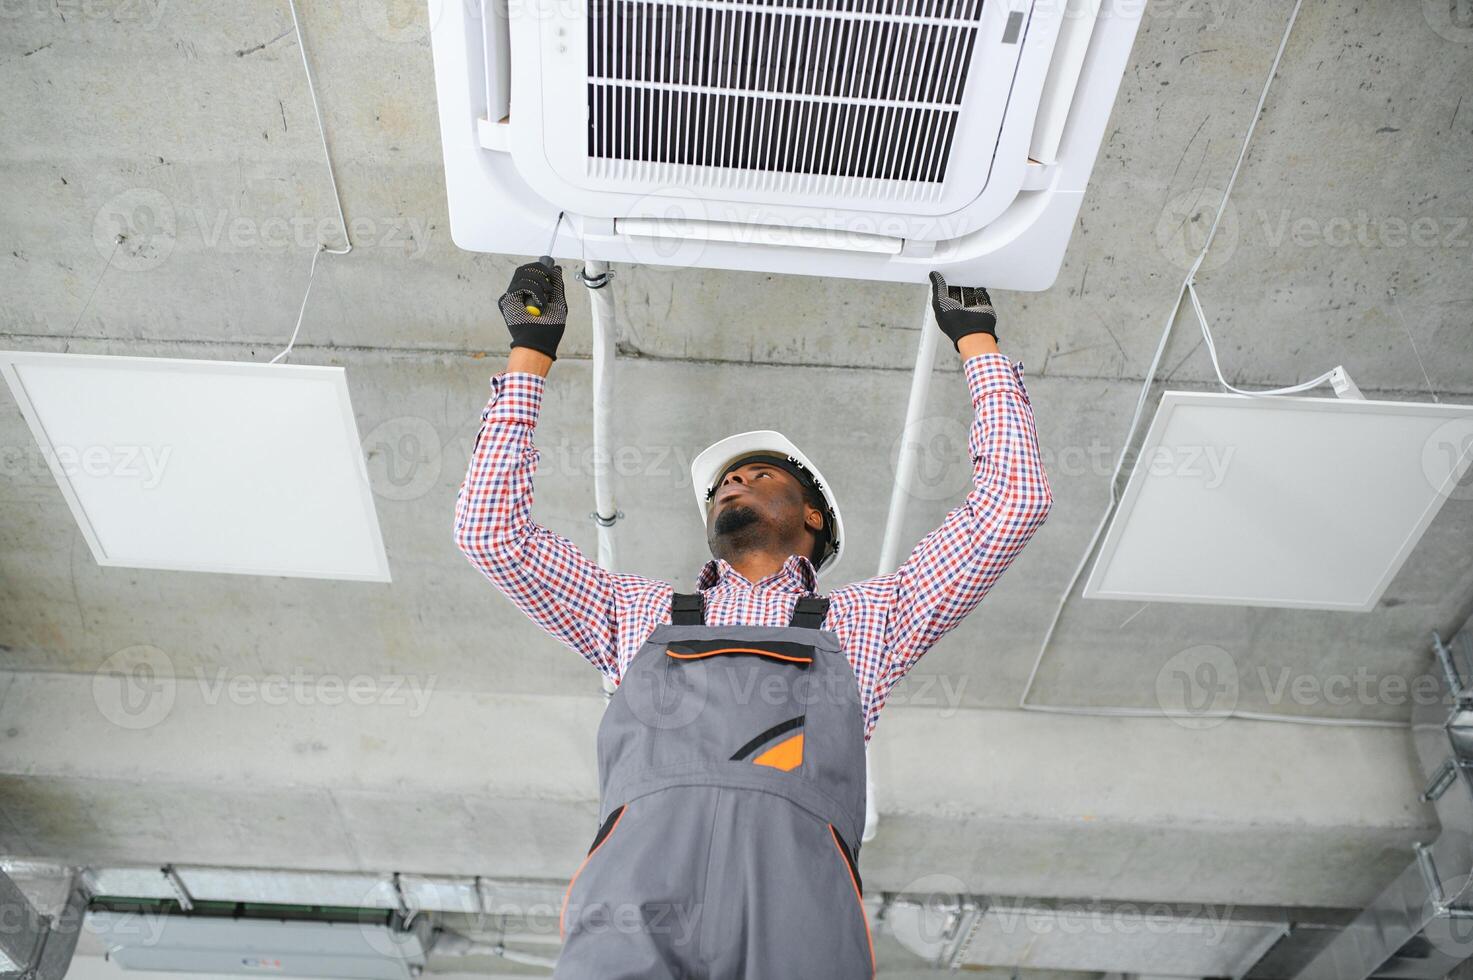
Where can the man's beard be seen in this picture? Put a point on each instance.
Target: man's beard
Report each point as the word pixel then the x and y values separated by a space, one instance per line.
pixel 734 519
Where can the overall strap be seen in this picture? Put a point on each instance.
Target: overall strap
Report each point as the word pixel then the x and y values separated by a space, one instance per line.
pixel 809 612
pixel 688 609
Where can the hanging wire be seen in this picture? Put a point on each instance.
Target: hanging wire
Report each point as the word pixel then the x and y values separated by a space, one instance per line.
pixel 332 179
pixel 117 243
pixel 321 131
pixel 311 275
pixel 1396 308
pixel 1187 290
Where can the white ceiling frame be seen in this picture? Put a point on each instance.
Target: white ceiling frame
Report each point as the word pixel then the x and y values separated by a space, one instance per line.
pixel 257 469
pixel 1315 505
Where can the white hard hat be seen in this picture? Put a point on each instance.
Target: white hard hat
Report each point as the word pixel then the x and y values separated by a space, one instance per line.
pixel 714 460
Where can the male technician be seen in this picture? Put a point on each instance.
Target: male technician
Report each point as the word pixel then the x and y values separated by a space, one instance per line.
pixel 731 755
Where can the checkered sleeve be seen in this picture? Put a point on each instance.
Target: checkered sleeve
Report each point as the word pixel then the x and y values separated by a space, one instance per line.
pixel 541 572
pixel 954 566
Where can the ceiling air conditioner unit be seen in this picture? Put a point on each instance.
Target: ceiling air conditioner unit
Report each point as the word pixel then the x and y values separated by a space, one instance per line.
pixel 872 139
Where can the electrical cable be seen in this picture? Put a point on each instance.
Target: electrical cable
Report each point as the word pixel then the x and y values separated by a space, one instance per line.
pixel 331 177
pixel 1212 353
pixel 1186 290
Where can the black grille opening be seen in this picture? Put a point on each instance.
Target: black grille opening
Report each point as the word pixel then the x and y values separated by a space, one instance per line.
pixel 818 87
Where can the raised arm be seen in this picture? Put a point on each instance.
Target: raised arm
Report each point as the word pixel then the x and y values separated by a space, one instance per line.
pixel 955 565
pixel 543 573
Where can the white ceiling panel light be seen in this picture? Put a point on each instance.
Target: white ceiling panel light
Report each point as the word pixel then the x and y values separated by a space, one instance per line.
pixel 206 466
pixel 1302 503
pixel 874 141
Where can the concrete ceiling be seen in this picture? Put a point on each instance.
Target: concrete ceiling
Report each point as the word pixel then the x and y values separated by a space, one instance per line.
pixel 193 123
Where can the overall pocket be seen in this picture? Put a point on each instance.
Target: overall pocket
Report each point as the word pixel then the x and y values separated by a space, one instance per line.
pixel 723 701
pixel 599 840
pixel 851 869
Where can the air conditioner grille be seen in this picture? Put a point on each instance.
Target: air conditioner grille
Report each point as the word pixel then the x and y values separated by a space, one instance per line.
pixel 851 97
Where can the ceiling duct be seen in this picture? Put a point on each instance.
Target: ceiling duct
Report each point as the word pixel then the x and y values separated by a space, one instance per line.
pixel 35 945
pixel 240 938
pixel 1421 925
pixel 1139 939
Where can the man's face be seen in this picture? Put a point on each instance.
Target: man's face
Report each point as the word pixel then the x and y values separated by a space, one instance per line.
pixel 758 493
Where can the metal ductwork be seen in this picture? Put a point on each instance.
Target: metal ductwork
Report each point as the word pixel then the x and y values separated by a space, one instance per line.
pixel 235 938
pixel 1422 924
pixel 1155 939
pixel 35 945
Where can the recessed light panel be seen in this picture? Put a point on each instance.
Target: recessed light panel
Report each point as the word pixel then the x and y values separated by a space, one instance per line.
pixel 1304 503
pixel 205 466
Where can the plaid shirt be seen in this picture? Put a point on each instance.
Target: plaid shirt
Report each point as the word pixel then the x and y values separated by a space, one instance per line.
pixel 885 623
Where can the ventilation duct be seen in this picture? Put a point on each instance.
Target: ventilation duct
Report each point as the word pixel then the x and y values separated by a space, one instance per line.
pixel 38 943
pixel 236 938
pixel 1421 925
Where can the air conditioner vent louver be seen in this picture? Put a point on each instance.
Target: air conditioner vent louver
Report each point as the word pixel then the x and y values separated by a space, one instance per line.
pixel 807 95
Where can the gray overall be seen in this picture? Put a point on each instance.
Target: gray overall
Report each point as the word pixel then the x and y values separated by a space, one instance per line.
pixel 731 777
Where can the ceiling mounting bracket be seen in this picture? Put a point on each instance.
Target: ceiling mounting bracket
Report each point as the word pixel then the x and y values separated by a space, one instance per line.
pixel 595 282
pixel 186 901
pixel 1442 905
pixel 1450 670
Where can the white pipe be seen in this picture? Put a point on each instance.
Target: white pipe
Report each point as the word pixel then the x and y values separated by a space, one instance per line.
pixel 602 301
pixel 920 386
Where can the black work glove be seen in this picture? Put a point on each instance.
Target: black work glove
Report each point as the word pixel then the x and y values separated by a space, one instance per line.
pixel 535 309
pixel 961 310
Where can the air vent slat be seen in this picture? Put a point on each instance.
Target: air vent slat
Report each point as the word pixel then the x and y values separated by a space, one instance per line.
pixel 804 95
